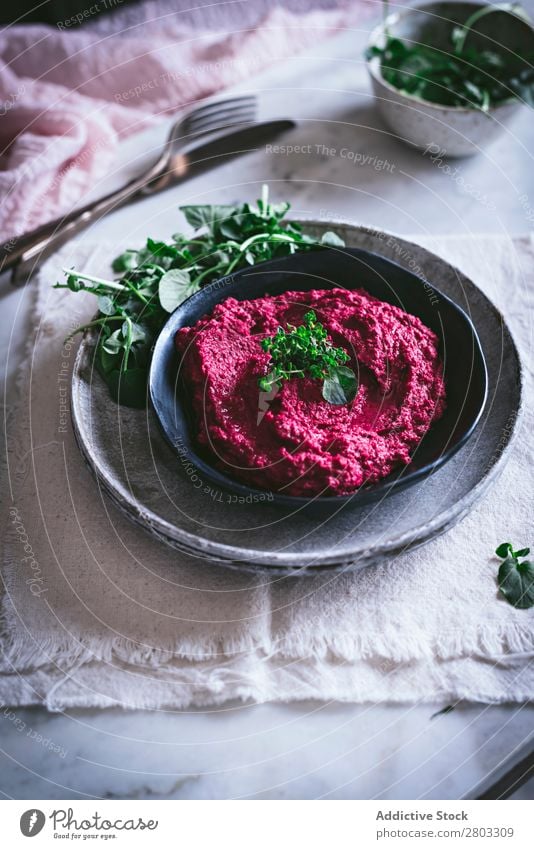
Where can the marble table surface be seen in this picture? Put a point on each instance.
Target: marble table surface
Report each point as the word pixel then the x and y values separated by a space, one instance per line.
pixel 349 167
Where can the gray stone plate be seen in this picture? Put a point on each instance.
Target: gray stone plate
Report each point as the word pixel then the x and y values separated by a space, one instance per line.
pixel 149 484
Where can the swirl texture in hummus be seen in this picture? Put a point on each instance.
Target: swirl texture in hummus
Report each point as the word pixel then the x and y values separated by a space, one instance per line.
pixel 297 443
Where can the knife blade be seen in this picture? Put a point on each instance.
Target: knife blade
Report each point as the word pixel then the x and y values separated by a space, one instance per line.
pixel 216 151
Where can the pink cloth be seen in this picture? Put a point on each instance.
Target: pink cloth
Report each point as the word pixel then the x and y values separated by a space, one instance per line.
pixel 68 95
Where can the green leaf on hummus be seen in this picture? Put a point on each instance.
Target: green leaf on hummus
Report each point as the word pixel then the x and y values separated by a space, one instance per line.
pixel 340 386
pixel 306 351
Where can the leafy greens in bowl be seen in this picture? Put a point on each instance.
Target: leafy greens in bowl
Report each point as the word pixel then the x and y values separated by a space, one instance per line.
pixel 451 74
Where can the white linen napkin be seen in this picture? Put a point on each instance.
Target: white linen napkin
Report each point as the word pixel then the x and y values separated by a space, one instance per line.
pixel 96 613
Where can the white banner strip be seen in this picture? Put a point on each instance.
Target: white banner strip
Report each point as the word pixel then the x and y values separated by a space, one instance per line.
pixel 268 824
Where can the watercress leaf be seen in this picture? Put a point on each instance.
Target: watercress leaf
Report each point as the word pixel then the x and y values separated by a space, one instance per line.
pixel 206 216
pixel 340 386
pixel 145 260
pixel 332 240
pixel 114 343
pixel 486 100
pixel 267 383
pixel 278 210
pixel 395 49
pixel 161 249
pixel 516 582
pixel 155 246
pixel 128 388
pixel 74 283
pixel 106 305
pixel 523 552
pixel 457 35
pixel 246 219
pixel 443 711
pixel 231 229
pixel 137 330
pixel 218 257
pixel 147 292
pixel 142 299
pixel 373 51
pixel 107 362
pixel 473 92
pixel 523 89
pixel 504 549
pixel 126 261
pixel 174 287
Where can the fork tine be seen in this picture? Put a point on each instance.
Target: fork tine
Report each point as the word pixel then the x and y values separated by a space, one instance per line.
pixel 221 119
pixel 206 108
pixel 211 114
pixel 206 114
pixel 217 119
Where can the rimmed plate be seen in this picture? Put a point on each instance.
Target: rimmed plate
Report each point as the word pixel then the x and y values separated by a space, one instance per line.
pixel 168 497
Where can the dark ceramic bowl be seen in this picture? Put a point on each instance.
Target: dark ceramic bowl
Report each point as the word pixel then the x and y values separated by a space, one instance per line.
pixel 464 365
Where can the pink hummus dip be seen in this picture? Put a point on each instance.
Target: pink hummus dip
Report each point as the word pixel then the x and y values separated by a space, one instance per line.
pixel 296 442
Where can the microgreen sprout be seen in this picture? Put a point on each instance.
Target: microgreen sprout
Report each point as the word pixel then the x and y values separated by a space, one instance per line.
pixel 306 351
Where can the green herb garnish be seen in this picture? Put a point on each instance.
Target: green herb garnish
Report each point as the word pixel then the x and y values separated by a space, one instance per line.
pixel 443 711
pixel 157 278
pixel 307 351
pixel 462 76
pixel 516 576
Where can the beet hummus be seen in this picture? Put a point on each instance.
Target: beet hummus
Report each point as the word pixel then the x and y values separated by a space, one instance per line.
pixel 292 440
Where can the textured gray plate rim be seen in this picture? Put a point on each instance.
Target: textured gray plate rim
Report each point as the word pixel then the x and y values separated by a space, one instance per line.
pixel 240 557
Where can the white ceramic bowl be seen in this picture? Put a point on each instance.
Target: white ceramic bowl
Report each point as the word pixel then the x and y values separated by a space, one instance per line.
pixel 445 130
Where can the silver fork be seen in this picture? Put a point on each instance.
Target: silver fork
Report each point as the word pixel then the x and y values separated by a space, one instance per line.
pixel 209 119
